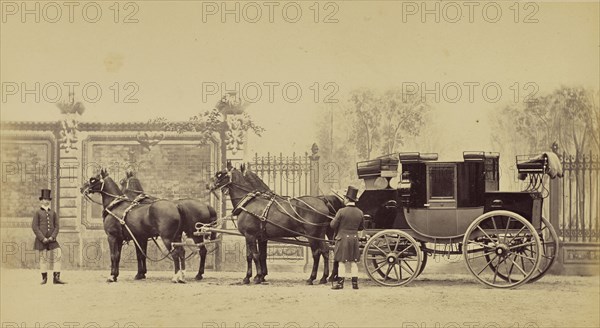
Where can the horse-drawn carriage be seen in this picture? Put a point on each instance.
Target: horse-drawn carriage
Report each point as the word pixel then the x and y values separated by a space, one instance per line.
pixel 437 208
pixel 503 237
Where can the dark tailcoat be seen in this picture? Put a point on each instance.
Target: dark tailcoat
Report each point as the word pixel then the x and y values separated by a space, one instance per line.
pixel 347 222
pixel 45 225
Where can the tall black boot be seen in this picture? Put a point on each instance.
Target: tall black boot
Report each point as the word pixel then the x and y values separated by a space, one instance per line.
pixel 44 278
pixel 354 282
pixel 339 284
pixel 57 279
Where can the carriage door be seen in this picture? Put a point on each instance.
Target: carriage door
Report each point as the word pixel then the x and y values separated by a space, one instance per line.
pixel 441 199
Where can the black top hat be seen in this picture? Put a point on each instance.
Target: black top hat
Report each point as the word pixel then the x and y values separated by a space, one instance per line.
pixel 46 194
pixel 352 194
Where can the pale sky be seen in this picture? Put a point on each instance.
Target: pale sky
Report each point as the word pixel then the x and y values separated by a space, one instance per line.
pixel 170 53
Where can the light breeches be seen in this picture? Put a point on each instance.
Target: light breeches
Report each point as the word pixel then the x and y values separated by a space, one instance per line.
pixel 50 259
pixel 349 267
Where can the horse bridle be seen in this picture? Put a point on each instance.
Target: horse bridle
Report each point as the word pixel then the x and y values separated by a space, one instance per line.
pixel 87 192
pixel 231 183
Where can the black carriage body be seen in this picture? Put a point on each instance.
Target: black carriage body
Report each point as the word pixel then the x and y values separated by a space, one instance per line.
pixel 438 200
pixel 527 204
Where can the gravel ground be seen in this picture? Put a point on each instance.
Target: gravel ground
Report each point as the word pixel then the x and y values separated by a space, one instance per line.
pixel 433 300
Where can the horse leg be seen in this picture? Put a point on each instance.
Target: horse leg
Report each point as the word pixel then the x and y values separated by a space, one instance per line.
pixel 248 260
pixel 202 252
pixel 256 258
pixel 334 271
pixel 336 265
pixel 262 251
pixel 252 254
pixel 325 255
pixel 141 258
pixel 176 260
pixel 181 254
pixel 115 245
pixel 316 254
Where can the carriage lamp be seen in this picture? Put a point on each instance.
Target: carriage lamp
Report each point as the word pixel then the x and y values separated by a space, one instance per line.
pixel 404 190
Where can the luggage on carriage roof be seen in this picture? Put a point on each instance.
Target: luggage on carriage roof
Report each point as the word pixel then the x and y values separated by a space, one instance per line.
pixel 385 166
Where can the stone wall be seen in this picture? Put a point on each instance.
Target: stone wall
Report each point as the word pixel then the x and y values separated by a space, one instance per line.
pixel 33 157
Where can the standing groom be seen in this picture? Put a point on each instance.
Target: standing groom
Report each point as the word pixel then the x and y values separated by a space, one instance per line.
pixel 45 226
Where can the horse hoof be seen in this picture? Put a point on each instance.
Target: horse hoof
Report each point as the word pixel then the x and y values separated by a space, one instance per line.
pixel 199 277
pixel 309 282
pixel 181 281
pixel 332 279
pixel 111 279
pixel 139 276
pixel 323 281
pixel 246 281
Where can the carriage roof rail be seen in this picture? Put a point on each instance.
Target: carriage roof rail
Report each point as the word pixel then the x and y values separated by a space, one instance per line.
pixel 479 155
pixel 409 157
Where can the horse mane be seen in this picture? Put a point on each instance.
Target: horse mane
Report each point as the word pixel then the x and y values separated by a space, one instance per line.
pixel 256 182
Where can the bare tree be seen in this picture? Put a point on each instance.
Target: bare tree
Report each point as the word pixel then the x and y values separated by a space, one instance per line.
pixel 366 112
pixel 404 115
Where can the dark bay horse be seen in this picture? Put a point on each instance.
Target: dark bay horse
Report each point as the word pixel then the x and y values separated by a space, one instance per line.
pixel 263 217
pixel 193 211
pixel 124 220
pixel 333 203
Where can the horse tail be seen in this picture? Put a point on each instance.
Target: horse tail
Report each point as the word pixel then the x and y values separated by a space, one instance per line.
pixel 213 218
pixel 183 221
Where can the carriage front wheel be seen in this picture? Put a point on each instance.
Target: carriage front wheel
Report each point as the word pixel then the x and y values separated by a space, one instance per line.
pixel 392 258
pixel 502 249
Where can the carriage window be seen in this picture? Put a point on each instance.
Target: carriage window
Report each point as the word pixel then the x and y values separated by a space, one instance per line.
pixel 441 182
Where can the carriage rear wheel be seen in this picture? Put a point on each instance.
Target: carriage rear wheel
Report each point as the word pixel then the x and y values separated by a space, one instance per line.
pixel 392 258
pixel 550 244
pixel 505 243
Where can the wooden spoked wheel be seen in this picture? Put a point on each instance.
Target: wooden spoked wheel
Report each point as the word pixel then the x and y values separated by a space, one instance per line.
pixel 423 262
pixel 550 244
pixel 392 258
pixel 502 249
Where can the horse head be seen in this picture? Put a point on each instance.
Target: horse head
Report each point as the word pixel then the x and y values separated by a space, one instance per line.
pixel 222 179
pixel 131 183
pixel 229 178
pixel 98 184
pixel 128 175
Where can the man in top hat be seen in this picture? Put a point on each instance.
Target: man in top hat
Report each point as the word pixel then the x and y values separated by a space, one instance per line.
pixel 45 226
pixel 347 222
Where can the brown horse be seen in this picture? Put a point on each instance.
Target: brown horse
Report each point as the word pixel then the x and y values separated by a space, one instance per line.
pixel 333 203
pixel 125 220
pixel 194 211
pixel 263 217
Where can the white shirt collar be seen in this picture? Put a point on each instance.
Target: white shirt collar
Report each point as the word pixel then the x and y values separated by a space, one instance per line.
pixel 47 209
pixel 351 204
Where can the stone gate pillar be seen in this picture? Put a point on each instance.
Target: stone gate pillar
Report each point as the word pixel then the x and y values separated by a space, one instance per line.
pixel 233 141
pixel 69 170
